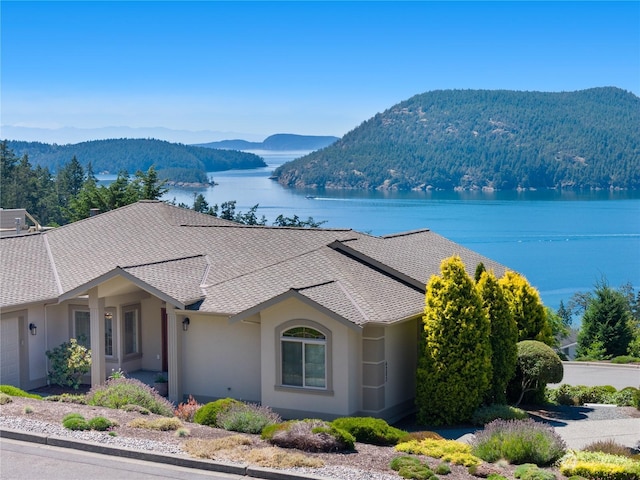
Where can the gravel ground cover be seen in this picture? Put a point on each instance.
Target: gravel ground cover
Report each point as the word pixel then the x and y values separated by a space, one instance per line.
pixel 367 463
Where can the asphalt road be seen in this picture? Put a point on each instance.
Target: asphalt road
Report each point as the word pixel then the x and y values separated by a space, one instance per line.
pixel 590 374
pixel 24 460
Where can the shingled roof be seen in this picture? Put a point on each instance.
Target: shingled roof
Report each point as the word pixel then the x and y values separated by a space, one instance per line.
pixel 202 262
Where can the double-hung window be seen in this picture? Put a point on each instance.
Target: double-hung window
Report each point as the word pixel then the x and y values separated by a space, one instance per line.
pixel 304 358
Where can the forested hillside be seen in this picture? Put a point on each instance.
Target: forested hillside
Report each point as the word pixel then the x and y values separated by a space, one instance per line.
pixel 277 142
pixel 172 160
pixel 472 139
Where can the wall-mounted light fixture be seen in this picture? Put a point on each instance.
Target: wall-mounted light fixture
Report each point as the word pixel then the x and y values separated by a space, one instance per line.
pixel 33 328
pixel 185 324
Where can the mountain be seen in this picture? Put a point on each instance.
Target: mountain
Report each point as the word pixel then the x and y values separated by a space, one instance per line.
pixel 277 142
pixel 174 161
pixel 484 139
pixel 65 135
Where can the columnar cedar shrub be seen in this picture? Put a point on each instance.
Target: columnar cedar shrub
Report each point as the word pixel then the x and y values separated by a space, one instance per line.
pixel 527 308
pixel 504 336
pixel 454 363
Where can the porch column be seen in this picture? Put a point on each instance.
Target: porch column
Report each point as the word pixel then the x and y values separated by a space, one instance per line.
pixel 96 312
pixel 174 353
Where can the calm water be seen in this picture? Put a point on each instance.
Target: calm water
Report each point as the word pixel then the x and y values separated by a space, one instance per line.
pixel 562 243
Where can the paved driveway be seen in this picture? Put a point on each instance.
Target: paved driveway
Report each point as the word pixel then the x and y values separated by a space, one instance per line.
pixel 597 374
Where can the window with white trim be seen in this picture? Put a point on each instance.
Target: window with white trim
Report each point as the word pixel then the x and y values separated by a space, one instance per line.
pixel 303 358
pixel 131 333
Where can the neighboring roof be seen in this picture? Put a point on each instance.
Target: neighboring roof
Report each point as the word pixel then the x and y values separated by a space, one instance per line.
pixel 228 268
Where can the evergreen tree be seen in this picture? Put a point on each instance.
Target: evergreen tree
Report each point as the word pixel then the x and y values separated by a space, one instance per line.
pixel 565 314
pixel 606 325
pixel 149 185
pixel 454 366
pixel 504 337
pixel 527 308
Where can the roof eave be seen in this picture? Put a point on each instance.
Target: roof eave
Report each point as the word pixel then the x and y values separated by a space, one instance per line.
pixel 292 293
pixel 119 272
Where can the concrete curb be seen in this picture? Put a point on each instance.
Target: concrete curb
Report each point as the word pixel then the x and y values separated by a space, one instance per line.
pixel 176 460
pixel 603 364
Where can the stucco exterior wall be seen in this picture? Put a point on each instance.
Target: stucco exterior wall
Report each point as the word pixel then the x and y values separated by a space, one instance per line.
pixel 220 359
pixel 402 356
pixel 342 396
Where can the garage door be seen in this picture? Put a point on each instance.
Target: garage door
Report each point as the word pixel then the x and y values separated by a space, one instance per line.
pixel 9 352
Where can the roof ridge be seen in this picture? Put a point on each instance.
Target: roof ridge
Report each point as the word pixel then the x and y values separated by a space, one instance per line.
pixel 269 227
pixel 167 260
pixel 56 276
pixel 270 265
pixel 407 233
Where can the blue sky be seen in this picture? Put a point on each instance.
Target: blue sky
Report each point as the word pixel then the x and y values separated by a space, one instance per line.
pixel 317 68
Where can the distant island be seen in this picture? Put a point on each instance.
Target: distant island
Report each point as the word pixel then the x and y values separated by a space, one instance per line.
pixel 181 164
pixel 278 142
pixel 484 139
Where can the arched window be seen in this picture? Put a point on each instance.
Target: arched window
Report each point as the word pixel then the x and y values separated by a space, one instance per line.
pixel 304 357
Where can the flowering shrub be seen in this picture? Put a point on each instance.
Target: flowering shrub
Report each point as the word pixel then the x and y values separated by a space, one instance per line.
pixel 69 362
pixel 118 392
pixel 519 441
pixel 247 418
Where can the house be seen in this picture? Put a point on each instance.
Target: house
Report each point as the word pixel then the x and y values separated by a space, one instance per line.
pixel 311 322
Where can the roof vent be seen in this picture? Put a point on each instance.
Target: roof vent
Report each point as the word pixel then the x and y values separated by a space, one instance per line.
pixel 93 212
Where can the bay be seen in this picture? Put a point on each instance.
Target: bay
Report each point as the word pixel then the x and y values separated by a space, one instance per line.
pixel 563 242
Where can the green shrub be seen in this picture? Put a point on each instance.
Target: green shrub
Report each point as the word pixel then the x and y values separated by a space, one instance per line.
pixel 310 435
pixel 208 413
pixel 374 431
pixel 118 392
pixel 72 415
pixel 599 466
pixel 496 476
pixel 247 418
pixel 625 359
pixel 529 471
pixel 487 414
pixel 581 394
pixel 69 362
pixel 16 392
pixel 135 408
pixel 4 399
pixel 519 441
pixel 443 468
pixel 411 467
pixel 625 397
pixel 100 423
pixel 75 422
pixel 78 399
pixel 403 460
